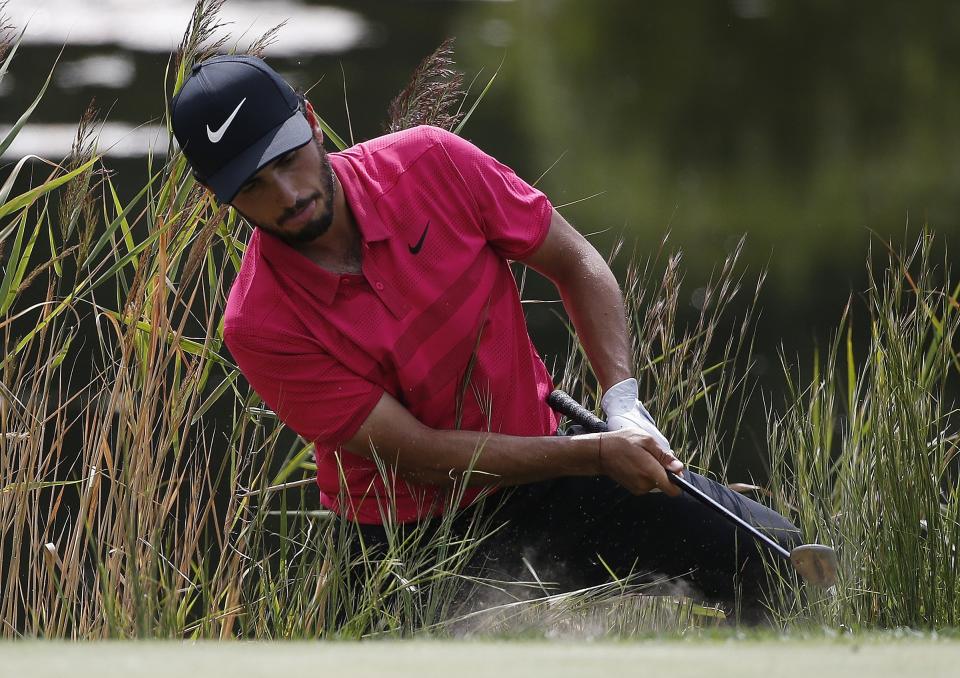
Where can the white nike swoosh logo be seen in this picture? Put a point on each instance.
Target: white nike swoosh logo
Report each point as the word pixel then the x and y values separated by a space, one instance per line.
pixel 214 137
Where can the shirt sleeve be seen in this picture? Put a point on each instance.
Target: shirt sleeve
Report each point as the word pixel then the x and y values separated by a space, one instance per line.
pixel 515 216
pixel 313 394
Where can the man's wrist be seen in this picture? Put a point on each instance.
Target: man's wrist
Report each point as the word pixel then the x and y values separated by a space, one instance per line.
pixel 585 456
pixel 620 398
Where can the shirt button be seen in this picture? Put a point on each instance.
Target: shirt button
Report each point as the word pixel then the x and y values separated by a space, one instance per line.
pixel 379 286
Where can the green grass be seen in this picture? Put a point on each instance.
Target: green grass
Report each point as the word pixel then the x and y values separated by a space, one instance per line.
pixel 146 493
pixel 721 657
pixel 865 455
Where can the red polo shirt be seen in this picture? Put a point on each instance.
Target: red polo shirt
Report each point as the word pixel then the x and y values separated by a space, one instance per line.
pixel 434 319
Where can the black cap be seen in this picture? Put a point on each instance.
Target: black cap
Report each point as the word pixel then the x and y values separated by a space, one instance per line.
pixel 233 115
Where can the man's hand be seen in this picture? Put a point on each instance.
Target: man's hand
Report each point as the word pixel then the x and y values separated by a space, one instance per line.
pixel 624 410
pixel 632 458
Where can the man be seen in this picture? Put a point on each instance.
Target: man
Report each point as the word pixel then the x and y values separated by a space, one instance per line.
pixel 375 311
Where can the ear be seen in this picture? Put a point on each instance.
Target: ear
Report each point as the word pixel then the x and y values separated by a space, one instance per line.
pixel 311 117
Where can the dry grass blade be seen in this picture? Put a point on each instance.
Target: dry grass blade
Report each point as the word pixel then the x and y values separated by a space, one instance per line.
pixel 6 31
pixel 432 95
pixel 201 246
pixel 269 37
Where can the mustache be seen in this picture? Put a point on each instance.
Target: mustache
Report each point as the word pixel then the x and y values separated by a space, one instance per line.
pixel 299 205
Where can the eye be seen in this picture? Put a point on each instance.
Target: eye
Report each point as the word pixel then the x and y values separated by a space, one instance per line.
pixel 286 158
pixel 247 187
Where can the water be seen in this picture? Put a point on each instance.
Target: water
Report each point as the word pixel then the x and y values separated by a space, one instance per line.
pixel 808 126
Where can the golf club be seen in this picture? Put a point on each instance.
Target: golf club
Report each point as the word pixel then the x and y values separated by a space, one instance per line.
pixel 816 563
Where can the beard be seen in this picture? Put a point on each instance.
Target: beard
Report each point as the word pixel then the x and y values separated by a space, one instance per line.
pixel 314 228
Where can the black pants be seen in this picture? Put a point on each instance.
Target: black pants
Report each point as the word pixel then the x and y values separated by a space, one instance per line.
pixel 562 528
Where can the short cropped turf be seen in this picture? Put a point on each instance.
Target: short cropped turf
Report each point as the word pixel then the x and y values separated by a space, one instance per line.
pixel 875 656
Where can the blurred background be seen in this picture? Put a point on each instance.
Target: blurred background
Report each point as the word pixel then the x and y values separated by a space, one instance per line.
pixel 812 127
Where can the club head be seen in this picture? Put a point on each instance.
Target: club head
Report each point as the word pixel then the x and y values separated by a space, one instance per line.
pixel 816 563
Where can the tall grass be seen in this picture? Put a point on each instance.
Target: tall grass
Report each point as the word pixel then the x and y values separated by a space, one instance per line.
pixel 134 470
pixel 865 455
pixel 694 378
pixel 146 492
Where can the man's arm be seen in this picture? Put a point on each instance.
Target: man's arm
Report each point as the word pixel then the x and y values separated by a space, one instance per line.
pixel 591 297
pixel 594 303
pixel 630 456
pixel 439 457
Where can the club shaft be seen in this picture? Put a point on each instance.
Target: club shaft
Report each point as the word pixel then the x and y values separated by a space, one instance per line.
pixel 697 494
pixel 570 408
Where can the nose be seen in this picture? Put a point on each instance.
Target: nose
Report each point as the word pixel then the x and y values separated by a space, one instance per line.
pixel 285 192
pixel 279 187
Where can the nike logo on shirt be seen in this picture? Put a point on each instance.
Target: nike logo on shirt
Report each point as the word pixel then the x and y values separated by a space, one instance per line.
pixel 215 136
pixel 415 249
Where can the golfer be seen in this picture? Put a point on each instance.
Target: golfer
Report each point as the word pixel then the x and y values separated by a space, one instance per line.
pixel 376 313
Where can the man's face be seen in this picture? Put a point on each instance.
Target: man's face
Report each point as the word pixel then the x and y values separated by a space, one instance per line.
pixel 292 196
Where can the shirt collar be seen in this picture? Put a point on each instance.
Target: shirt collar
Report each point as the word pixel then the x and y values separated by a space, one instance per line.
pixel 294 268
pixel 297 269
pixel 371 226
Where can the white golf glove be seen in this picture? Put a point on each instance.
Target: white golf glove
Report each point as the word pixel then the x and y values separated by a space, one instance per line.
pixel 624 410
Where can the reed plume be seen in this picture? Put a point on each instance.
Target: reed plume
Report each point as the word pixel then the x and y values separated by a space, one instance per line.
pixel 6 31
pixel 195 45
pixel 433 95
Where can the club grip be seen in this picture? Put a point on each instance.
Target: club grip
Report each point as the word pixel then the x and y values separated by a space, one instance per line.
pixel 561 402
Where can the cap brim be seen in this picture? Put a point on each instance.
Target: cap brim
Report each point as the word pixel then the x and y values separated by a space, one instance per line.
pixel 294 132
